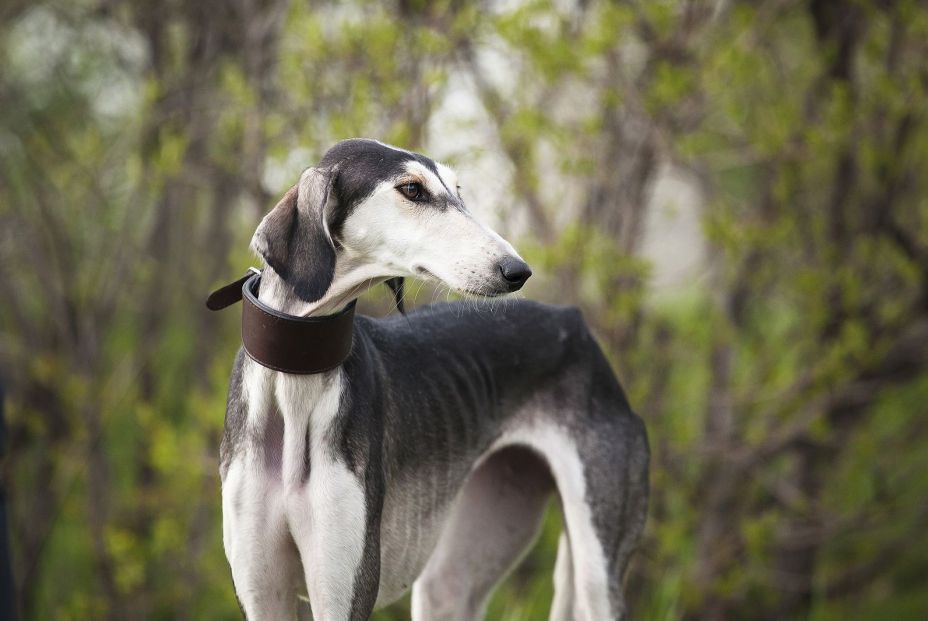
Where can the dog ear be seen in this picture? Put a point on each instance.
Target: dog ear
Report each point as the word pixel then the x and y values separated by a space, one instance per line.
pixel 293 239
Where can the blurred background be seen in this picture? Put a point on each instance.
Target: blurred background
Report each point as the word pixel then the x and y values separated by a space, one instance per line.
pixel 735 193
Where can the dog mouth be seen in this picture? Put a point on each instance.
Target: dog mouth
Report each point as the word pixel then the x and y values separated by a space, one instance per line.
pixel 424 273
pixel 481 289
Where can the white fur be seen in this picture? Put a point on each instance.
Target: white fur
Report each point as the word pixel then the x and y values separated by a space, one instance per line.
pixel 449 177
pixel 265 566
pixel 480 540
pixel 387 235
pixel 493 521
pixel 590 576
pixel 266 512
pixel 326 516
pixel 562 604
pixel 588 561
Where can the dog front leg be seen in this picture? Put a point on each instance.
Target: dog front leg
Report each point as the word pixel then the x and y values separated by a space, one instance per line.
pixel 264 562
pixel 339 544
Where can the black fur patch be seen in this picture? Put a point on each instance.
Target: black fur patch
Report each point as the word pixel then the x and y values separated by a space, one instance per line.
pixel 292 238
pixel 361 166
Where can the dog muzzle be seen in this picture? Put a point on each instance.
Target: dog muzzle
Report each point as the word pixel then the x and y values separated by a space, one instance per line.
pixel 286 343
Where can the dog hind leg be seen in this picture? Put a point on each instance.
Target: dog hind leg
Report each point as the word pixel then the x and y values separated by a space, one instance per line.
pixel 600 470
pixel 563 603
pixel 605 524
pixel 494 520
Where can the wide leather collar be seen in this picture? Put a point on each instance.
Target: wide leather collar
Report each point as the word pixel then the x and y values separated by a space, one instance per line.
pixel 287 343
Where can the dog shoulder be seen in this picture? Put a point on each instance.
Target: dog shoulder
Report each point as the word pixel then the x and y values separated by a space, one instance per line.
pixel 566 321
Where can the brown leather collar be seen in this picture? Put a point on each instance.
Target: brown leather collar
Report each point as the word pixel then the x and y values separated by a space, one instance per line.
pixel 287 343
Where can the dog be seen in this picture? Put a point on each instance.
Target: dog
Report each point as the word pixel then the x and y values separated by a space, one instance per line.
pixel 427 457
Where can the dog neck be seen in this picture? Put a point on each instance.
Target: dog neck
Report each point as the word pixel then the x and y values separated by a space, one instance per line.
pixel 280 296
pixel 350 281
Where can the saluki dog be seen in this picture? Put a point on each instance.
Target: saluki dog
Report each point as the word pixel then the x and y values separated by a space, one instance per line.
pixel 426 459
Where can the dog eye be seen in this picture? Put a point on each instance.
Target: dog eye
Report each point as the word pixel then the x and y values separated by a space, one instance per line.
pixel 412 191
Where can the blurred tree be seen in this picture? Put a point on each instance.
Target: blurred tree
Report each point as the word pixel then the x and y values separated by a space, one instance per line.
pixel 140 141
pixel 7 589
pixel 800 123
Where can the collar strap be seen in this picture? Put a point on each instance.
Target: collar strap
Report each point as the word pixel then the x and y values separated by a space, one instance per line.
pixel 287 343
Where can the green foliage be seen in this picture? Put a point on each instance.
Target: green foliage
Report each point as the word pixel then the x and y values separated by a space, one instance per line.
pixel 783 388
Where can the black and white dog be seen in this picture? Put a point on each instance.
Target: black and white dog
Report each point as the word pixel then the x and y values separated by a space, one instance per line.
pixel 428 457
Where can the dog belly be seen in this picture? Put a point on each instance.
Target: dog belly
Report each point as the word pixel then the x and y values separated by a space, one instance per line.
pixel 415 511
pixel 410 527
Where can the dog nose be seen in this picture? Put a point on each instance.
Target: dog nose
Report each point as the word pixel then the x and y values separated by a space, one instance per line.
pixel 515 272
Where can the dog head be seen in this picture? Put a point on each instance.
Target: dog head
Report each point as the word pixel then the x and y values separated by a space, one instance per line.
pixel 371 212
